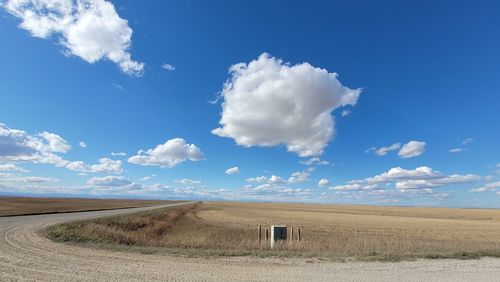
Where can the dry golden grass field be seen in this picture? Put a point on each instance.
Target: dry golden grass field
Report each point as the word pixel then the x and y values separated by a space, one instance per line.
pixel 335 232
pixel 24 205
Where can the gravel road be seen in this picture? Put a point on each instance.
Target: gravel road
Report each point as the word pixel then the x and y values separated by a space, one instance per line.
pixel 25 256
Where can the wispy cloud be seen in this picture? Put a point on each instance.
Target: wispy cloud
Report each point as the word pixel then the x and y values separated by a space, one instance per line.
pixel 420 180
pixel 468 141
pixel 12 167
pixel 457 150
pixel 488 187
pixel 187 181
pixel 168 67
pixel 314 161
pixel 408 150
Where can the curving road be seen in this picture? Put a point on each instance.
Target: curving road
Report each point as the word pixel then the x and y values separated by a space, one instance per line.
pixel 25 256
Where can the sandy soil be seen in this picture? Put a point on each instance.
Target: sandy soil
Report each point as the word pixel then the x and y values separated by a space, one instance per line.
pixel 25 256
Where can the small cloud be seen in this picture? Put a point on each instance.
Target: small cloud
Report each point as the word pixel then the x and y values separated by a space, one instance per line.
pixel 118 154
pixel 82 144
pixel 384 150
pixel 314 161
pixel 109 181
pixel 118 86
pixel 168 67
pixel 274 179
pixel 187 181
pixel 408 150
pixel 169 154
pixel 300 176
pixel 233 170
pixel 346 113
pixel 216 99
pixel 257 179
pixel 462 149
pixel 145 178
pixel 370 150
pixel 105 165
pixel 323 182
pixel 412 149
pixel 468 141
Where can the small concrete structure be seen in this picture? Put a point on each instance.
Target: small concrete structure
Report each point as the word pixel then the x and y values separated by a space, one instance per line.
pixel 278 233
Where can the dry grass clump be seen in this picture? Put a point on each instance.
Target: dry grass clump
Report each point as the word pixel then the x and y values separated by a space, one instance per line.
pixel 337 232
pixel 143 229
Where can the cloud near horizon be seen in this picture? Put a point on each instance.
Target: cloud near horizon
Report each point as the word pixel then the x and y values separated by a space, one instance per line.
pixel 18 146
pixel 420 179
pixel 488 187
pixel 187 181
pixel 109 181
pixel 268 102
pixel 105 165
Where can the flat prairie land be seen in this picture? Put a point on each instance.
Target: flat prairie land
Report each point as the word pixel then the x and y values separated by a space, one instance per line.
pixel 28 206
pixel 335 232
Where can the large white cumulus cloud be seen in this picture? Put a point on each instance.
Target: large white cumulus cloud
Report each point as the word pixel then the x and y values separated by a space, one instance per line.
pixel 268 102
pixel 89 29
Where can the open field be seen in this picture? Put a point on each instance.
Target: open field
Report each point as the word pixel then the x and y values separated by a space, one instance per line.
pixel 25 205
pixel 335 232
pixel 25 255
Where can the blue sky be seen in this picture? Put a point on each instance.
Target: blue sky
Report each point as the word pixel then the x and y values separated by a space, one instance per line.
pixel 392 102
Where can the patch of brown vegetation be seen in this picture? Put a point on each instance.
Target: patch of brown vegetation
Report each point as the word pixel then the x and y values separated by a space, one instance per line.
pixel 338 232
pixel 142 229
pixel 28 206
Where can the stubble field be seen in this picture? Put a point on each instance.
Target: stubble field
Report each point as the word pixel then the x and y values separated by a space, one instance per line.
pixel 29 206
pixel 334 232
